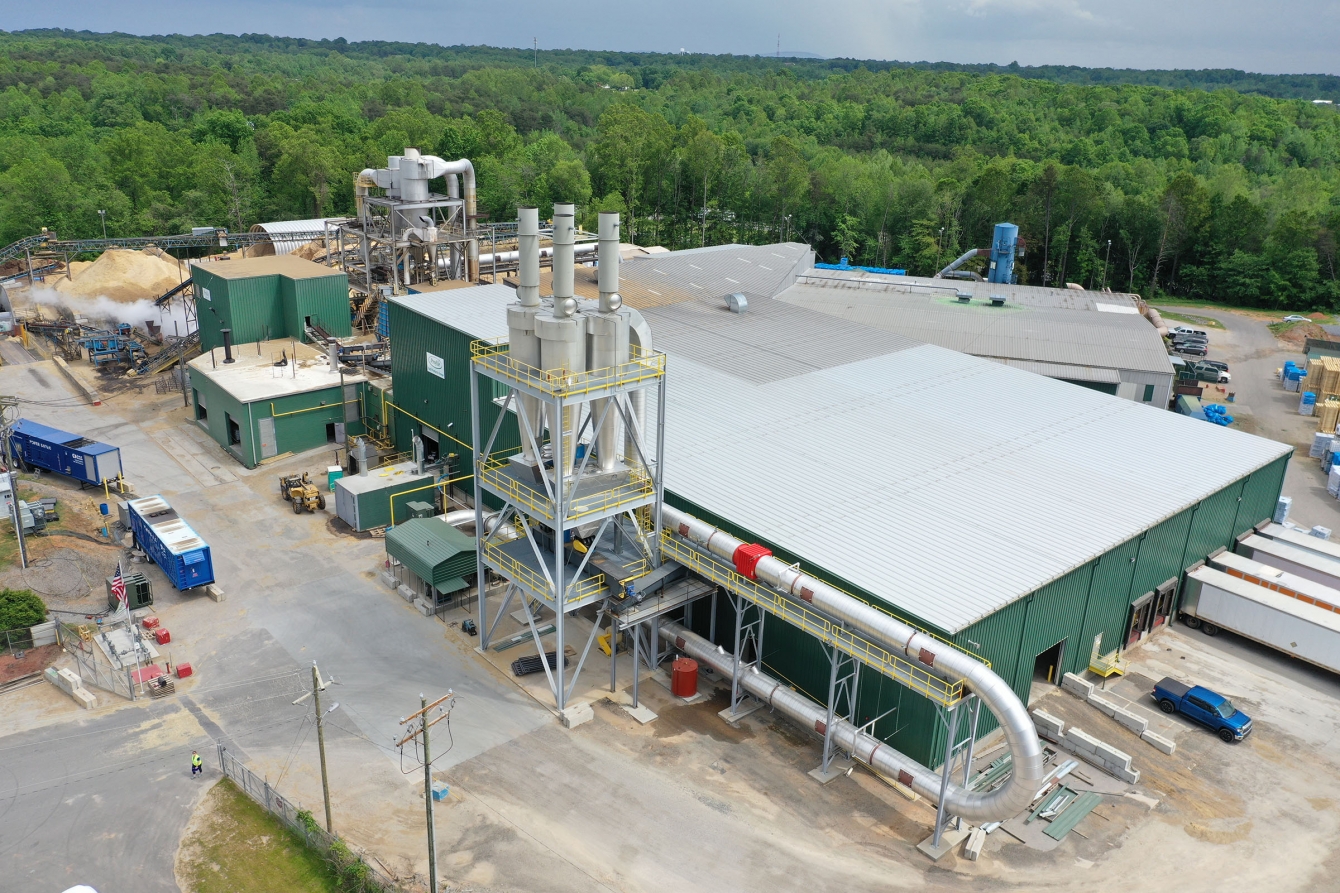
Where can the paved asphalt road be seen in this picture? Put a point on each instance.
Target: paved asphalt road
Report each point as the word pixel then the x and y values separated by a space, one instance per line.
pixel 101 798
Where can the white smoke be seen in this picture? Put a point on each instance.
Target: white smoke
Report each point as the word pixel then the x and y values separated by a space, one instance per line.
pixel 107 311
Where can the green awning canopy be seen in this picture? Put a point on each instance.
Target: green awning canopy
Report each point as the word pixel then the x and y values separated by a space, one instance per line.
pixel 435 551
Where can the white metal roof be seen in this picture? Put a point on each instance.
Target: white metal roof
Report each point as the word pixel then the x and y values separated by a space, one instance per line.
pixel 946 484
pixel 278 231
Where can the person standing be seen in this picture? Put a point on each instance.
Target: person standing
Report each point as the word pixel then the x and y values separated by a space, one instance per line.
pixel 197 764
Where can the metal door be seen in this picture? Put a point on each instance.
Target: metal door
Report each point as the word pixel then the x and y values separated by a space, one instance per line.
pixel 351 412
pixel 269 444
pixel 339 432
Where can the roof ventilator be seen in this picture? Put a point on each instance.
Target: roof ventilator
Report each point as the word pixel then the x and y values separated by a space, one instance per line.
pixel 737 303
pixel 963 296
pixel 998 300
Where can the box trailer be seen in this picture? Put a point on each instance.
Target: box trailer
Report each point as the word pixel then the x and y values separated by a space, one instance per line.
pixel 73 455
pixel 170 542
pixel 1213 600
pixel 1288 557
pixel 1300 540
pixel 1281 581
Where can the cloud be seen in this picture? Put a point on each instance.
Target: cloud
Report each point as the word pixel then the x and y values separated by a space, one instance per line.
pixel 1067 8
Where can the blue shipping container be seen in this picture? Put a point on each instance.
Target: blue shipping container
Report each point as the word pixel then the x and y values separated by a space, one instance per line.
pixel 87 461
pixel 171 543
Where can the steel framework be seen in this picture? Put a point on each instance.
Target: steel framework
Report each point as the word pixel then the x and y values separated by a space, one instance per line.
pixel 577 537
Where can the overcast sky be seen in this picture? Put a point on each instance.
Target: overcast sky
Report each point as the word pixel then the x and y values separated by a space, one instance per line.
pixel 1275 36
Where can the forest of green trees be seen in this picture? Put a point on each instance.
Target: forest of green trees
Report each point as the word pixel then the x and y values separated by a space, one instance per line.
pixel 1198 191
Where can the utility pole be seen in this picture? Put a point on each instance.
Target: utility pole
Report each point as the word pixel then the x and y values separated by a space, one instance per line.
pixel 1107 257
pixel 535 48
pixel 6 428
pixel 419 723
pixel 318 686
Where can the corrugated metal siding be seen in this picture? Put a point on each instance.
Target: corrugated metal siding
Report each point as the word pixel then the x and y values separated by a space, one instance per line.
pixel 1260 496
pixel 444 403
pixel 325 300
pixel 1214 522
pixel 1109 600
pixel 219 403
pixel 307 428
pixel 374 506
pixel 250 307
pixel 435 551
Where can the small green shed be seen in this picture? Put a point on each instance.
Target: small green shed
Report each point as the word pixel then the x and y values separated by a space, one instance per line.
pixel 439 555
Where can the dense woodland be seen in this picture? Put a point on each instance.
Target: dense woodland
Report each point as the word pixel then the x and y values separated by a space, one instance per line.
pixel 1211 185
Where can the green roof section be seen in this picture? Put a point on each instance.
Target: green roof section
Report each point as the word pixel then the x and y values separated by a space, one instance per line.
pixel 436 552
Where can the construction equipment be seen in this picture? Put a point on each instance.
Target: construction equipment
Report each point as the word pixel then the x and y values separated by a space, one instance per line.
pixel 301 492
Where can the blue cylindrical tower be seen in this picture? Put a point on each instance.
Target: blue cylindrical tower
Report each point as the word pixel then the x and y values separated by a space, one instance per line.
pixel 1002 253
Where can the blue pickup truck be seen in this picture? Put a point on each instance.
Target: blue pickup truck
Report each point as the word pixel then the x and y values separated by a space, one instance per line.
pixel 1204 706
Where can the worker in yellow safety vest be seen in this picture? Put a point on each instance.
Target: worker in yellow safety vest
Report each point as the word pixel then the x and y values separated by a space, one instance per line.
pixel 197 764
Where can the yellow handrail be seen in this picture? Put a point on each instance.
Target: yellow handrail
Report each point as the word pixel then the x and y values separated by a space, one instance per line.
pixel 643 366
pixel 901 670
pixel 640 486
pixel 517 572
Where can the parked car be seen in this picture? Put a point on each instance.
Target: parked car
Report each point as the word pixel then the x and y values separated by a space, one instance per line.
pixel 1208 370
pixel 1295 318
pixel 1185 330
pixel 1204 706
pixel 1191 350
pixel 1218 364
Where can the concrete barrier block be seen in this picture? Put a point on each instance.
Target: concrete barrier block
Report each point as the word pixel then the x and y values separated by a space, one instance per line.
pixel 406 593
pixel 1048 726
pixel 1130 776
pixel 972 847
pixel 1102 704
pixel 1108 754
pixel 1078 739
pixel 84 698
pixel 1077 686
pixel 1165 745
pixel 69 681
pixel 1137 724
pixel 424 607
pixel 389 580
pixel 575 714
pixel 52 674
pixel 214 591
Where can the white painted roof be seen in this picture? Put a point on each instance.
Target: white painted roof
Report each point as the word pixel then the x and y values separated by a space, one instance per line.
pixel 253 375
pixel 946 484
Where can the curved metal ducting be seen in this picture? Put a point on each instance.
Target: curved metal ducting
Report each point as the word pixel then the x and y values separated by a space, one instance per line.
pixel 934 655
pixel 406 177
pixel 961 260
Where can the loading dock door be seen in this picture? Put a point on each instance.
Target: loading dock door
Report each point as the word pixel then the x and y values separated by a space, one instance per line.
pixel 269 444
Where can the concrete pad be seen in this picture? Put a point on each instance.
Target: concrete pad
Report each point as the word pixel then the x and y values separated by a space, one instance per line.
pixel 746 708
pixel 948 840
pixel 836 769
pixel 641 713
pixel 664 679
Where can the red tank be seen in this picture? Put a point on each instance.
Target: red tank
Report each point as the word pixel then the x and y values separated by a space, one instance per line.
pixel 684 677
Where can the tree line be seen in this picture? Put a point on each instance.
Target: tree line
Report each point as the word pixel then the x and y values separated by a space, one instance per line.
pixel 1209 194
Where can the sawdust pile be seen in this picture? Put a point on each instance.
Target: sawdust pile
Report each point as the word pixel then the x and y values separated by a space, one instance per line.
pixel 123 275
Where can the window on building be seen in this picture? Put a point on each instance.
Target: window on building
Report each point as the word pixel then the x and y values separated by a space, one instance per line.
pixel 1149 393
pixel 234 430
pixel 201 413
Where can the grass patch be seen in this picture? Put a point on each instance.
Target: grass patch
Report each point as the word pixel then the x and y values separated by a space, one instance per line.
pixel 1190 320
pixel 1281 328
pixel 234 846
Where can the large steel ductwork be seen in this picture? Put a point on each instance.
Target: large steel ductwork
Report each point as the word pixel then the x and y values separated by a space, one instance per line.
pixel 928 652
pixel 406 177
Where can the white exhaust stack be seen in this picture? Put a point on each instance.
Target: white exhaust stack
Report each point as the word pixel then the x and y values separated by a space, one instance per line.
pixel 608 344
pixel 563 335
pixel 523 342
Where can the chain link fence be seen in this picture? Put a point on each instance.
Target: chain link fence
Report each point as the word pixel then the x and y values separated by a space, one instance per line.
pixel 91 666
pixel 355 874
pixel 28 637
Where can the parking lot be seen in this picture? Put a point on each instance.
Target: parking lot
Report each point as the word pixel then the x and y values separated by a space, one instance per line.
pixel 683 803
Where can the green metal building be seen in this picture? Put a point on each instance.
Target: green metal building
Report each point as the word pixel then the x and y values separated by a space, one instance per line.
pixel 1027 521
pixel 257 409
pixel 440 558
pixel 269 298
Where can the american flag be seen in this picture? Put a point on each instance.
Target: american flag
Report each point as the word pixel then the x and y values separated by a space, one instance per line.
pixel 119 587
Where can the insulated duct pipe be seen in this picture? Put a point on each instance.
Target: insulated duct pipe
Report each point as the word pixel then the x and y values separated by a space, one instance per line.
pixel 874 753
pixel 563 338
pixel 511 257
pixel 565 235
pixel 639 336
pixel 932 654
pixel 963 259
pixel 528 254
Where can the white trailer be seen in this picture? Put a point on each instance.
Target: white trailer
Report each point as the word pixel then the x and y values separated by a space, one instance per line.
pixel 1288 557
pixel 1213 600
pixel 1301 540
pixel 1301 588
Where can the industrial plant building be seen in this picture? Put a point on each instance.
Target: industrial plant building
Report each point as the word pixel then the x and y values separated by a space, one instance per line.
pixel 272 398
pixel 1009 513
pixel 268 299
pixel 1099 340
